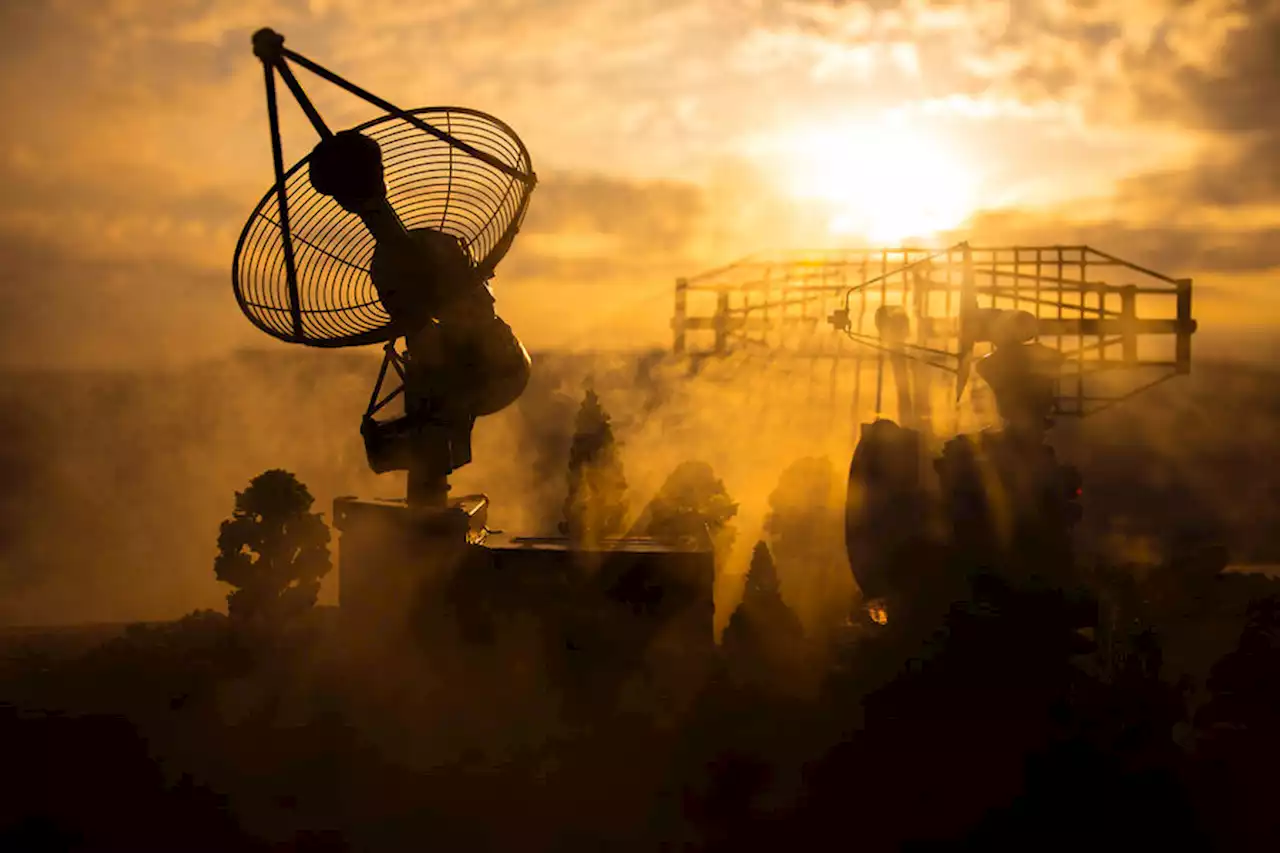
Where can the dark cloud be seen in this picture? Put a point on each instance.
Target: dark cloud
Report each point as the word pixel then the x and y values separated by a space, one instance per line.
pixel 1234 99
pixel 1174 250
pixel 58 309
pixel 1237 93
pixel 1243 170
pixel 160 296
pixel 135 140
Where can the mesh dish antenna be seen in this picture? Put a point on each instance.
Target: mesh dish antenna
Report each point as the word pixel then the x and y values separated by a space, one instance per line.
pixel 392 230
pixel 302 267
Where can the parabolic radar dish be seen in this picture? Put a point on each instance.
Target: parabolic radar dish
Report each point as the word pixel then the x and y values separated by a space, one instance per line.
pixel 432 183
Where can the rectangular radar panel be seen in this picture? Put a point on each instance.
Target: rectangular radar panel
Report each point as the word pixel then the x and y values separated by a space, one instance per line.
pixel 1119 327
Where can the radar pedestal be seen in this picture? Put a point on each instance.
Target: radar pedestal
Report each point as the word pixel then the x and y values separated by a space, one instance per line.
pixel 388 234
pixel 1011 505
pixel 435 582
pixel 1001 503
pixel 395 554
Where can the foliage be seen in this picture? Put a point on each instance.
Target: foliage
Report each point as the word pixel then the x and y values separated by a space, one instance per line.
pixel 596 507
pixel 273 549
pixel 990 720
pixel 691 501
pixel 762 578
pixel 1239 734
pixel 153 665
pixel 992 723
pixel 191 636
pixel 763 637
pixel 1240 698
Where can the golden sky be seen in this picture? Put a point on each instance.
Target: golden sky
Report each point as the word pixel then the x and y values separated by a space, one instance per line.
pixel 668 137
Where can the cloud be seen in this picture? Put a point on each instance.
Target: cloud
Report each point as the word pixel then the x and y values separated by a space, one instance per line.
pixel 58 309
pixel 135 139
pixel 137 144
pixel 641 216
pixel 1231 100
pixel 1207 70
pixel 1173 250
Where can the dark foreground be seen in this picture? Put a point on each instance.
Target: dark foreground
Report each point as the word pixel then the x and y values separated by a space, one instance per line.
pixel 1002 729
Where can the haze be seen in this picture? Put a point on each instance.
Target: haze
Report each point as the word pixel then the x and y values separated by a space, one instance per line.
pixel 669 137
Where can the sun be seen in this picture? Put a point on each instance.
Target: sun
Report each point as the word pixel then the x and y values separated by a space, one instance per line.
pixel 883 180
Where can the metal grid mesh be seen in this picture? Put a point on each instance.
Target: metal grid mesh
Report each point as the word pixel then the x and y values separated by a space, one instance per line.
pixel 430 184
pixel 1105 314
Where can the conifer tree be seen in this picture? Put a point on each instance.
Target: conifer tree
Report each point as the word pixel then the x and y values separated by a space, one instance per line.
pixel 596 506
pixel 764 634
pixel 762 587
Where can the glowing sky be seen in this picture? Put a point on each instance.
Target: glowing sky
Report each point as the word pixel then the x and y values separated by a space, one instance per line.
pixel 668 136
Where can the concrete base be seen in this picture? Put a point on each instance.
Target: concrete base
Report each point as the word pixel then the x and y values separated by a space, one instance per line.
pixel 627 609
pixel 391 553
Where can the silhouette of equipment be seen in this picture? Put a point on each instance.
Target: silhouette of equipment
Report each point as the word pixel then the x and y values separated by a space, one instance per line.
pixel 392 230
pixel 995 503
pixel 891 508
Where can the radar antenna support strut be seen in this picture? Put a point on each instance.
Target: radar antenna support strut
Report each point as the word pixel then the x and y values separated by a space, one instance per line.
pixel 264 41
pixel 461 361
pixel 268 46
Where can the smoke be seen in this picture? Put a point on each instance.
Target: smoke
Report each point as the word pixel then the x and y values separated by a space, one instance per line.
pixel 1189 462
pixel 117 481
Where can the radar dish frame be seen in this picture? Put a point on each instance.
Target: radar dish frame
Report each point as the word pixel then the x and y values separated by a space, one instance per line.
pixel 361 320
pixel 781 306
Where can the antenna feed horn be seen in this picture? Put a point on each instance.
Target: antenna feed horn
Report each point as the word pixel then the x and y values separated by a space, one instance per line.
pixel 348 167
pixel 268 45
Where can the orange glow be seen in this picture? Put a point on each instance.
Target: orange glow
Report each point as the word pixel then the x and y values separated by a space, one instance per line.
pixel 886 181
pixel 878 614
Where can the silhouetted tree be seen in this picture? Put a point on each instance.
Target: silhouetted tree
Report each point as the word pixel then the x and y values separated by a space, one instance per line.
pixel 805 526
pixel 693 500
pixel 273 549
pixel 1244 696
pixel 764 637
pixel 596 507
pixel 1239 735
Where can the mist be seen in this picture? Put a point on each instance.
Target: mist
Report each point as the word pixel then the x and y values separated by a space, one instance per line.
pixel 117 480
